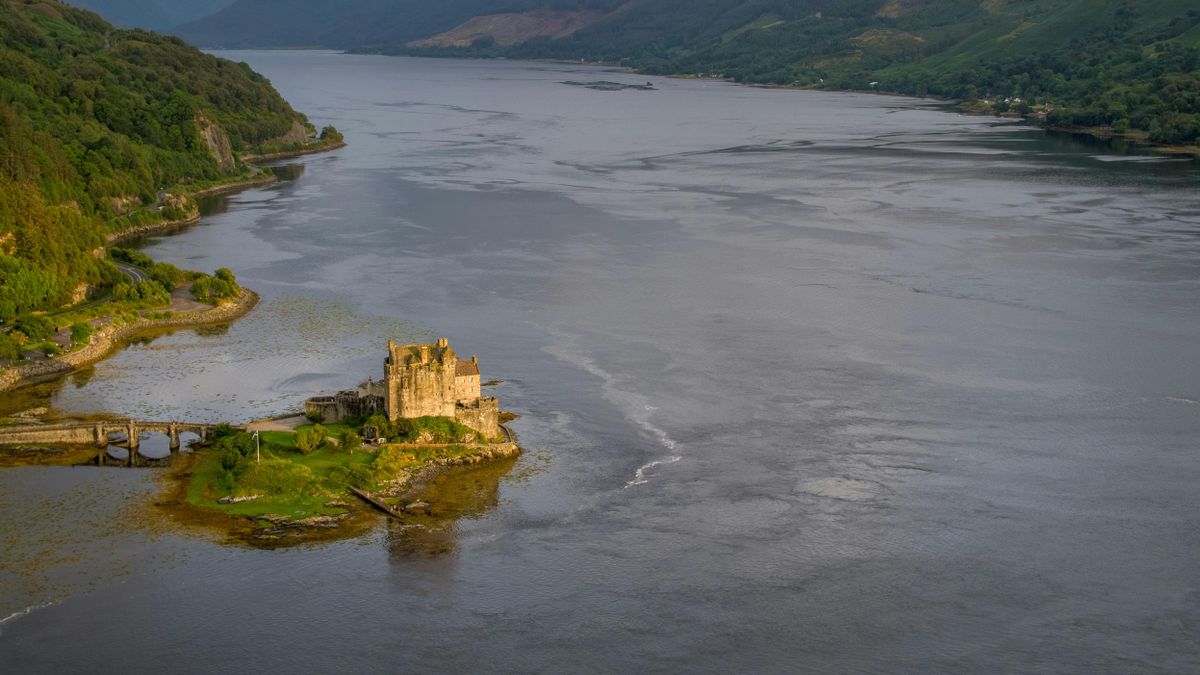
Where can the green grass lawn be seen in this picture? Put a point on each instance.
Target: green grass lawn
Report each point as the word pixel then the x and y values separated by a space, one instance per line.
pixel 297 485
pixel 329 457
pixel 280 439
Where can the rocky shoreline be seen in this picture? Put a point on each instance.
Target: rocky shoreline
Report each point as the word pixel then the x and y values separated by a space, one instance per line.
pixel 287 154
pixel 408 486
pixel 224 188
pixel 261 178
pixel 169 225
pixel 106 340
pixel 144 230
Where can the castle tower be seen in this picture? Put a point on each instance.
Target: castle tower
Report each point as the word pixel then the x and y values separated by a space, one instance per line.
pixel 429 380
pixel 420 380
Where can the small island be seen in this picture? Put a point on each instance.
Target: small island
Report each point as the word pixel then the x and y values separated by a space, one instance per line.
pixel 302 477
pixel 607 85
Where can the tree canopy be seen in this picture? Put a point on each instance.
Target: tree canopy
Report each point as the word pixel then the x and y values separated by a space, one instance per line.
pixel 94 121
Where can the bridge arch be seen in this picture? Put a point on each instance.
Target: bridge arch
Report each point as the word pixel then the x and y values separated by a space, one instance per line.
pixel 107 433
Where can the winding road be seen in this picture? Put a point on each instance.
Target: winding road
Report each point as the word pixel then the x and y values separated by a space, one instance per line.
pixel 135 274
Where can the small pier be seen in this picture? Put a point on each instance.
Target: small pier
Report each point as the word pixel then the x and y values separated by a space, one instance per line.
pixel 375 502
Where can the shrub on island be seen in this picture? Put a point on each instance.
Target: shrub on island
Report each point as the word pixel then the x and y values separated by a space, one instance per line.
pixel 309 439
pixel 217 288
pixel 421 430
pixel 145 293
pixel 81 332
pixel 331 135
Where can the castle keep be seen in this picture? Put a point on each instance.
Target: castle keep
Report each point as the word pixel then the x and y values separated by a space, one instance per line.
pixel 419 380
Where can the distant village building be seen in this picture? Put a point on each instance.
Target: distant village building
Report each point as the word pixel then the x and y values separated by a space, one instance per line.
pixel 419 380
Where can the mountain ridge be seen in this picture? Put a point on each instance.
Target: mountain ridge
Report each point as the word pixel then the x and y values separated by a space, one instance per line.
pixel 1133 68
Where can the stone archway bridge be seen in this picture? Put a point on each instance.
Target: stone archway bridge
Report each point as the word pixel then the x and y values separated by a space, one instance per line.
pixel 96 433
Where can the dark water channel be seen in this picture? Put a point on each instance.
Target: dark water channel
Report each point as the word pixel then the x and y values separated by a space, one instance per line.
pixel 810 382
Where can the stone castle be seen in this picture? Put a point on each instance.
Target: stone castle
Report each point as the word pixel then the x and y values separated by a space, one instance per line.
pixel 419 380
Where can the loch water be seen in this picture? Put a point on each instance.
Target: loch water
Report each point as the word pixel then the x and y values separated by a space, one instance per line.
pixel 808 382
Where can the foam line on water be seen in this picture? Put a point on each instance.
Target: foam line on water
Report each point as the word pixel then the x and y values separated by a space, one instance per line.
pixel 28 610
pixel 635 407
pixel 639 476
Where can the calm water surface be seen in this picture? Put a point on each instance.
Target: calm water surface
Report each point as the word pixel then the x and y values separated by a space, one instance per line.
pixel 811 382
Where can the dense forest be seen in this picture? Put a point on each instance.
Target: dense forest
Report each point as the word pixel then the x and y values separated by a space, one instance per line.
pixel 94 121
pixel 1126 64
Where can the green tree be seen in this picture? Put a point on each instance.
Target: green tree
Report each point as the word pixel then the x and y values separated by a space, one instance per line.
pixel 80 333
pixel 94 120
pixel 351 441
pixel 309 439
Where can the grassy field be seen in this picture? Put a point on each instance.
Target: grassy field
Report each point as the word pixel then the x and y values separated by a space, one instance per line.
pixel 289 483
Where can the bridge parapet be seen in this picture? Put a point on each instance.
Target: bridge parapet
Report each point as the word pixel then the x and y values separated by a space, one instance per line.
pixel 84 433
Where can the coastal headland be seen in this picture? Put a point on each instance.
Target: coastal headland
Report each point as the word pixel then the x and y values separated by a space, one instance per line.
pixel 181 311
pixel 257 176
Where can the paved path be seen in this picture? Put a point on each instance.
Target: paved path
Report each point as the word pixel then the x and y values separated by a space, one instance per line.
pixel 182 301
pixel 135 274
pixel 283 424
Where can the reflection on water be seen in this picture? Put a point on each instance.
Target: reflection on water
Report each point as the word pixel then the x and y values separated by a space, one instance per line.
pixel 221 202
pixel 81 377
pixel 228 372
pixel 429 526
pixel 71 530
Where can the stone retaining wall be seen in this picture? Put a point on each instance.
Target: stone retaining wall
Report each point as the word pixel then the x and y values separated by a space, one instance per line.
pixel 64 434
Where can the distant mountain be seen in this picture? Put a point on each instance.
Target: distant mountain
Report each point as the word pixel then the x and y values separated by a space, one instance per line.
pixel 158 15
pixel 346 24
pixel 94 121
pixel 1129 65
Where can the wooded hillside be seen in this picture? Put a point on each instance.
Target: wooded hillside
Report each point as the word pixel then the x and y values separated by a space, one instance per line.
pixel 94 121
pixel 1128 64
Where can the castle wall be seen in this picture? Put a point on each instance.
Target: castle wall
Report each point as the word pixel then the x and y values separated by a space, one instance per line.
pixel 466 388
pixel 421 390
pixel 482 415
pixel 428 380
pixel 323 408
pixel 334 409
pixel 373 388
pixel 420 380
pixel 357 404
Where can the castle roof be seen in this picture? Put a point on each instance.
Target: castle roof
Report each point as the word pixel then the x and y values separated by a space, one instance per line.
pixel 465 368
pixel 420 353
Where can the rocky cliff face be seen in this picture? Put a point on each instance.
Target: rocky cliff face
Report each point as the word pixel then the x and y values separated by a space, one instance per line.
pixel 511 29
pixel 297 135
pixel 218 143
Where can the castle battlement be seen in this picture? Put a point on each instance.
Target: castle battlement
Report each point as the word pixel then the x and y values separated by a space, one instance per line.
pixel 420 380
